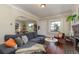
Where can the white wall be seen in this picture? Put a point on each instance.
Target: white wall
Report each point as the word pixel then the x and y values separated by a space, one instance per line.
pixel 5 20
pixel 8 15
pixel 44 29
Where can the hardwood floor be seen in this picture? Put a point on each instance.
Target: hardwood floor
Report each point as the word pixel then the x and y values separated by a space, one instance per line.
pixel 54 48
pixel 60 48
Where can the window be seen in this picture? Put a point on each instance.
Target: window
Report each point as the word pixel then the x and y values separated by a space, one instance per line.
pixel 30 27
pixel 30 24
pixel 54 26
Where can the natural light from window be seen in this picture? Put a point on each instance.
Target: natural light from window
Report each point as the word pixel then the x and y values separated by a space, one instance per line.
pixel 54 26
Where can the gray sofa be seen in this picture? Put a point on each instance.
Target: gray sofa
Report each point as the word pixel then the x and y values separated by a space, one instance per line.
pixel 33 38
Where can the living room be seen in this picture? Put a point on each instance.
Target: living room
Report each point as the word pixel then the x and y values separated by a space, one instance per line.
pixel 45 21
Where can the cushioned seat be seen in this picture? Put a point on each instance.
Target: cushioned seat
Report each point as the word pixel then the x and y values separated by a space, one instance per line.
pixel 33 38
pixel 28 44
pixel 38 40
pixel 6 50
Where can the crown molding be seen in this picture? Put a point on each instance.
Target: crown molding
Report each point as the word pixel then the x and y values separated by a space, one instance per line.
pixel 31 16
pixel 65 14
pixel 28 14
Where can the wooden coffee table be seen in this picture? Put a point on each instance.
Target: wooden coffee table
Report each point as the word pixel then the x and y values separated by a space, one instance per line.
pixel 52 48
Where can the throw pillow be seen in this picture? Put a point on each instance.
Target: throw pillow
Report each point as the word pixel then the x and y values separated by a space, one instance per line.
pixel 25 39
pixel 10 42
pixel 19 41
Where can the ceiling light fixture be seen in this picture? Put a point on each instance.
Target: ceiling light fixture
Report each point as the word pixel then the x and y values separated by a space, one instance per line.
pixel 43 5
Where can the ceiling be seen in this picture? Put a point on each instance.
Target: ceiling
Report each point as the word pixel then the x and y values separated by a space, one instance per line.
pixel 49 10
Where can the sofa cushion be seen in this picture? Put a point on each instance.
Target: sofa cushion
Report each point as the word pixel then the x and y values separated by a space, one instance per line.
pixel 34 34
pixel 37 39
pixel 41 38
pixel 28 36
pixel 6 50
pixel 10 36
pixel 28 44
pixel 31 35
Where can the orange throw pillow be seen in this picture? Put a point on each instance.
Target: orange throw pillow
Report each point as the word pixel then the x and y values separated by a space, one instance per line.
pixel 10 42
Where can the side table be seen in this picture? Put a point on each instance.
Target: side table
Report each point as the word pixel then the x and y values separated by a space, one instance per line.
pixel 50 40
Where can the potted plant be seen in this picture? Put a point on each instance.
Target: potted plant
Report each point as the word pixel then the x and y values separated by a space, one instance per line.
pixel 71 18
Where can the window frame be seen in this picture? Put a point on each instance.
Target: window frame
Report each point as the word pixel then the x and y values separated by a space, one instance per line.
pixel 49 25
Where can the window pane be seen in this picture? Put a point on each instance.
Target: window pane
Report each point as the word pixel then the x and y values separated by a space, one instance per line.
pixel 54 26
pixel 30 27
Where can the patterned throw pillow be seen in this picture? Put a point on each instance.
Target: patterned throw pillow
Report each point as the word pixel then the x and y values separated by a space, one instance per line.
pixel 25 39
